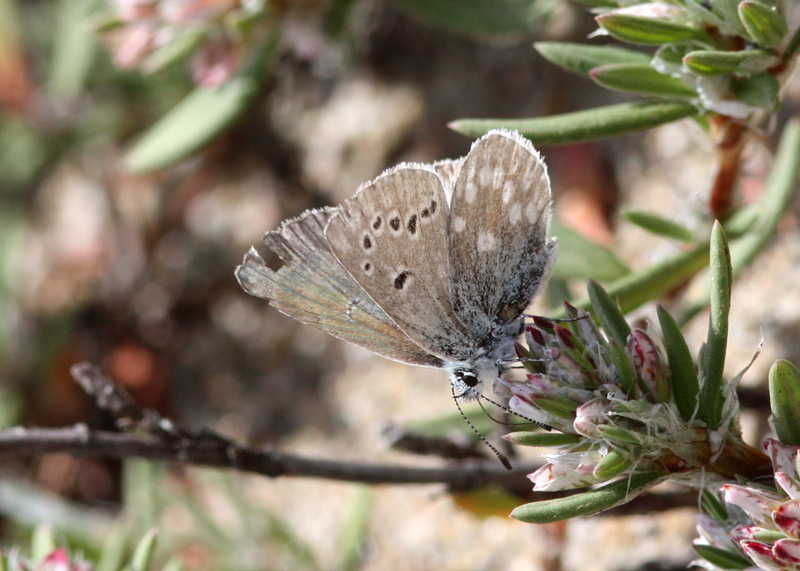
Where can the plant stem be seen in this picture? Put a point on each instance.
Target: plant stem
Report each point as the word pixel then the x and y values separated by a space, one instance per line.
pixel 730 139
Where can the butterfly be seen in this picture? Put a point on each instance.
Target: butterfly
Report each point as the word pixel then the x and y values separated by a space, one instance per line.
pixel 428 264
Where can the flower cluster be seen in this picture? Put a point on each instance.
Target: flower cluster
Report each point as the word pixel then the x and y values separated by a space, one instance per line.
pixel 762 525
pixel 152 34
pixel 616 408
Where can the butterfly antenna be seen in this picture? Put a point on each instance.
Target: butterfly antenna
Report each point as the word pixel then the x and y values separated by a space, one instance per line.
pixel 553 319
pixel 515 413
pixel 492 447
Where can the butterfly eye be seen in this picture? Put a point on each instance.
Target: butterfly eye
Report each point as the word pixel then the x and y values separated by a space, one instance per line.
pixel 470 379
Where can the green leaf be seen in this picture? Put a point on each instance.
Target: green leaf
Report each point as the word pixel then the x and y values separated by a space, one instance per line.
pixel 722 558
pixel 611 465
pixel 43 543
pixel 647 31
pixel 774 202
pixel 685 384
pixel 722 14
pixel 479 18
pixel 176 49
pixel 610 432
pixel 559 407
pixel 711 394
pixel 641 286
pixel 669 58
pixel 627 377
pixel 766 26
pixel 608 314
pixel 579 257
pixel 743 62
pixel 602 498
pixel 768 535
pixel 659 225
pixel 352 532
pixel 143 554
pixel 580 58
pixel 542 439
pixel 713 505
pixel 757 90
pixel 192 124
pixel 580 126
pixel 641 79
pixel 74 48
pixel 784 400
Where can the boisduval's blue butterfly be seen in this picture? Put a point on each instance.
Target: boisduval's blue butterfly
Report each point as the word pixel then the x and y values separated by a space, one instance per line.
pixel 430 265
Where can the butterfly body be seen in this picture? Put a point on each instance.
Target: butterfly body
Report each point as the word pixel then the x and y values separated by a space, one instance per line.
pixel 430 265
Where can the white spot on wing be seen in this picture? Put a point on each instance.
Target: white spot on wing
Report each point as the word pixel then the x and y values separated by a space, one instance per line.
pixel 458 224
pixel 486 241
pixel 515 214
pixel 486 175
pixel 472 191
pixel 508 191
pixel 532 212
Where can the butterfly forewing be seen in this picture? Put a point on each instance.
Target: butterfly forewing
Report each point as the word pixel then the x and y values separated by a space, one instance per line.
pixel 499 218
pixel 313 287
pixel 391 237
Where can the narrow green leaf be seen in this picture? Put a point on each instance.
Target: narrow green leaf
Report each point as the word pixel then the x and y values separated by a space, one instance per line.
pixel 580 58
pixel 641 286
pixel 722 558
pixel 659 225
pixel 627 377
pixel 758 90
pixel 579 257
pixel 647 31
pixel 641 79
pixel 116 546
pixel 542 439
pixel 173 564
pixel 766 26
pixel 774 202
pixel 608 314
pixel 712 62
pixel 43 543
pixel 74 48
pixel 559 407
pixel 176 49
pixel 611 465
pixel 581 126
pixel 602 498
pixel 711 395
pixel 685 384
pixel 352 532
pixel 193 123
pixel 669 58
pixel 713 505
pixel 477 18
pixel 768 535
pixel 143 554
pixel 784 400
pixel 620 435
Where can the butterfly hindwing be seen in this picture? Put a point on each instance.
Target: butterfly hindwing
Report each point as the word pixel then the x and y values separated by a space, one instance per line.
pixel 313 287
pixel 497 231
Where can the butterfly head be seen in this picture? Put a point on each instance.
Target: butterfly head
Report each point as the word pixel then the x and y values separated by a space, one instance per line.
pixel 468 380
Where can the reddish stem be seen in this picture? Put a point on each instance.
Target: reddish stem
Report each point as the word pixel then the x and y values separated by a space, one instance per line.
pixel 729 138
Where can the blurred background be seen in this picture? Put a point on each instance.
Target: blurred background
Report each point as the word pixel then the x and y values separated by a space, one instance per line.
pixel 130 190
